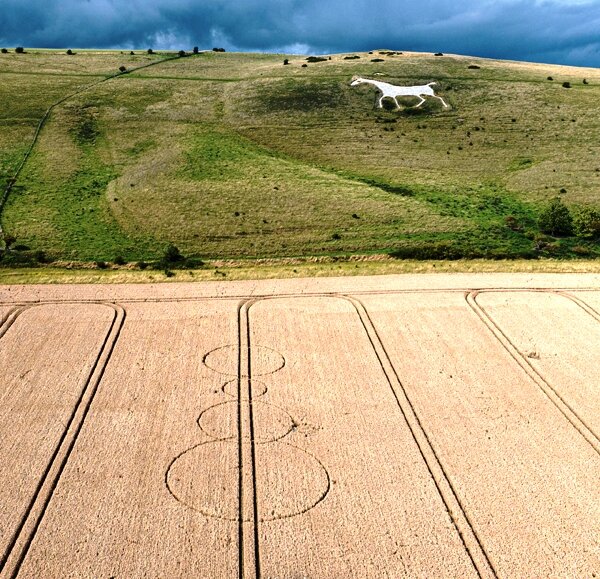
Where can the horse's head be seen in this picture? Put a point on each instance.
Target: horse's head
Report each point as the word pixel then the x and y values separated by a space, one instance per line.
pixel 356 80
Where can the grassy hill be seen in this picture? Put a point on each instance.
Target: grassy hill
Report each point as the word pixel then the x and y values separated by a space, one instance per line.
pixel 239 156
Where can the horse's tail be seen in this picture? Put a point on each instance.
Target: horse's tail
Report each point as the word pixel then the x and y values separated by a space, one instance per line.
pixel 431 83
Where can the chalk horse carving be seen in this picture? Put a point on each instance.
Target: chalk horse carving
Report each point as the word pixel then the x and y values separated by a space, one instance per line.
pixel 393 91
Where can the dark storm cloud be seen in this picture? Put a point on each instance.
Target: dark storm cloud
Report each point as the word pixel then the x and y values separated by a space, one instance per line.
pixel 563 31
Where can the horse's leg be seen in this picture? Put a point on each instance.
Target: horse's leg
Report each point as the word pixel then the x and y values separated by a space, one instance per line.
pixel 443 101
pixel 397 103
pixel 422 101
pixel 381 101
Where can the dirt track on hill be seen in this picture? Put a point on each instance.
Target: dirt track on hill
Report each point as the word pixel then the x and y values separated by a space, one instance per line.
pixel 406 426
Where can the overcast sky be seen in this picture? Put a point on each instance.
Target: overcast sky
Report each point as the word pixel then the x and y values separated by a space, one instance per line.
pixel 555 31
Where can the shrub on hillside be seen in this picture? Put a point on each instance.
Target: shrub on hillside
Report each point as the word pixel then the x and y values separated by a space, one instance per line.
pixel 70 52
pixel 150 51
pixel 195 50
pixel 444 249
pixel 9 240
pixel 513 223
pixel 19 50
pixel 181 53
pixel 555 219
pixel 218 50
pixel 286 61
pixel 120 260
pixel 40 256
pixel 581 250
pixel 586 222
pixel 172 254
pixel 4 51
pixel 123 68
pixel 566 85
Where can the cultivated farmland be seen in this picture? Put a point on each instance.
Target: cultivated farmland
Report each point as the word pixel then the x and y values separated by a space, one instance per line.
pixel 400 426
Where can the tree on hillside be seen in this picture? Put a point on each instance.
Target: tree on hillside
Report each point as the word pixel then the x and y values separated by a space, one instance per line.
pixel 555 219
pixel 586 222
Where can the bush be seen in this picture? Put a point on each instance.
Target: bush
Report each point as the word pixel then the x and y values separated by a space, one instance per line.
pixel 550 78
pixel 4 51
pixel 513 223
pixel 142 264
pixel 195 50
pixel 286 61
pixel 40 256
pixel 120 260
pixel 439 54
pixel 181 53
pixel 19 50
pixel 69 52
pixel 586 222
pixel 444 249
pixel 131 53
pixel 585 81
pixel 315 59
pixel 555 219
pixel 123 68
pixel 172 254
pixel 566 85
pixel 9 240
pixel 150 51
pixel 581 250
pixel 218 50
pixel 194 262
pixel 101 265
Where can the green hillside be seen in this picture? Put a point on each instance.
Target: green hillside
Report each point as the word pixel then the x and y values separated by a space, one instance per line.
pixel 240 156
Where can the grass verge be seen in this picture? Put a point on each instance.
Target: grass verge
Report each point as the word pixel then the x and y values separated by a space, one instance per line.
pixel 219 271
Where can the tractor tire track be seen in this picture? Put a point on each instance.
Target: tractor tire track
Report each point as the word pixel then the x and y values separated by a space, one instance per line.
pixel 13 558
pixel 456 511
pixel 551 393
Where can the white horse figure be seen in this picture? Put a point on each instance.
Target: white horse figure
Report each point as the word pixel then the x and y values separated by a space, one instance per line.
pixel 393 91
